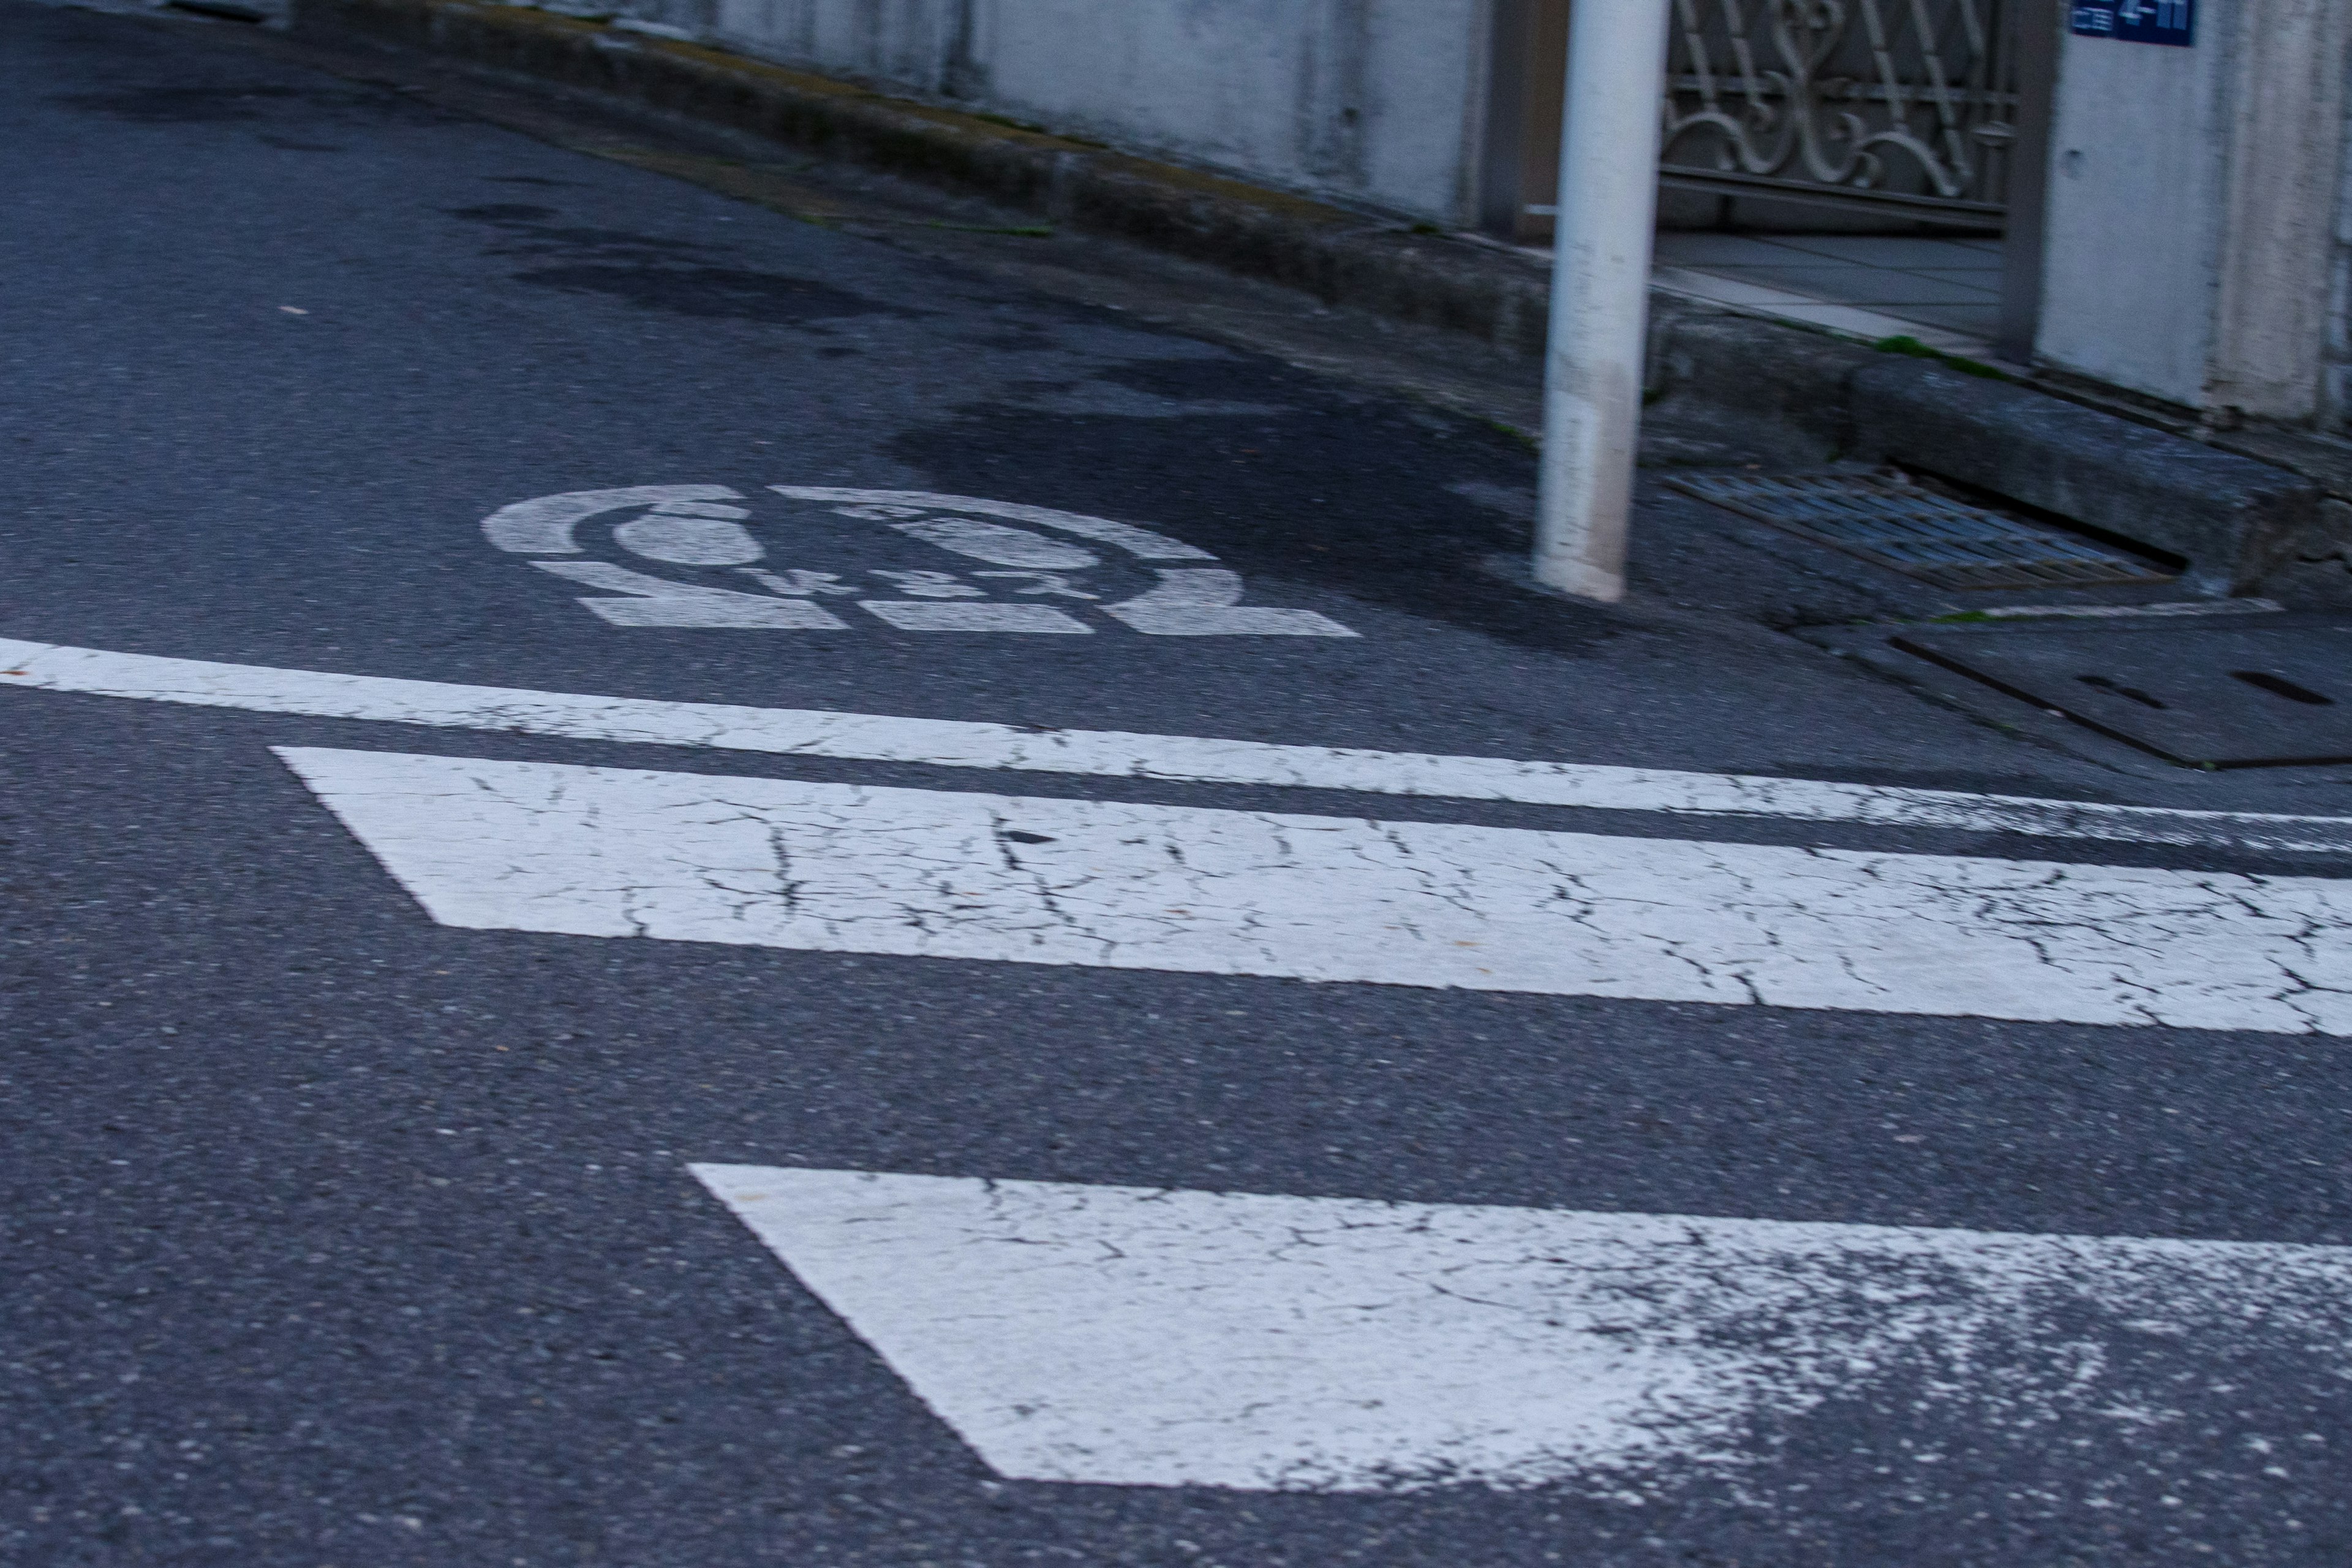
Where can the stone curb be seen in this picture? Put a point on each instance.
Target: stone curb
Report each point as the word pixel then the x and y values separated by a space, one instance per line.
pixel 2233 518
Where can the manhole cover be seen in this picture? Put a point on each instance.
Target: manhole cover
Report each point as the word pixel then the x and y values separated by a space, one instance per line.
pixel 1912 529
pixel 2226 697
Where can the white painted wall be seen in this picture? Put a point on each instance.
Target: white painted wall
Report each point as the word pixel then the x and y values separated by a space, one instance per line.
pixel 1373 102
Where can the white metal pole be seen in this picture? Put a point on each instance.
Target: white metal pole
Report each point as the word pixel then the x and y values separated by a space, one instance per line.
pixel 1600 292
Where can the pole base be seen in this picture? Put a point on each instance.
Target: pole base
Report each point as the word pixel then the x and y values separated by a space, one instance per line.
pixel 1580 578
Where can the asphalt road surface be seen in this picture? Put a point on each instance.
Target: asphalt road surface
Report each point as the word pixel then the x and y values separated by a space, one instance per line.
pixel 981 1007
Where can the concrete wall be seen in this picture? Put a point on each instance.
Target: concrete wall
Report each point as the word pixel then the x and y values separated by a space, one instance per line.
pixel 2272 315
pixel 1374 102
pixel 2338 387
pixel 2194 210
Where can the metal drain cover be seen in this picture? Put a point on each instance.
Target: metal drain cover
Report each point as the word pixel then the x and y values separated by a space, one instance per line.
pixel 1912 529
pixel 2211 696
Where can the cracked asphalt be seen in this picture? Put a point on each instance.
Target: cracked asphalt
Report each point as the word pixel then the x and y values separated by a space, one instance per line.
pixel 337 1236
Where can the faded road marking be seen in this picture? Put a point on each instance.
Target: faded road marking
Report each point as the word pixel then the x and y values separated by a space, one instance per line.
pixel 1113 753
pixel 1154 1338
pixel 847 869
pixel 693 525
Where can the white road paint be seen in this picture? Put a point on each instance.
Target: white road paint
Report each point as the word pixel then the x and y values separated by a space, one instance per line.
pixel 691 525
pixel 1114 754
pixel 1196 603
pixel 999 545
pixel 1141 543
pixel 687 538
pixel 658 602
pixel 949 616
pixel 1138 1337
pixel 798 582
pixel 544 524
pixel 847 869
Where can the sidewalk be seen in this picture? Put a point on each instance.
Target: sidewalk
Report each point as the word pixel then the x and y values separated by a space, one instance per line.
pixel 1944 293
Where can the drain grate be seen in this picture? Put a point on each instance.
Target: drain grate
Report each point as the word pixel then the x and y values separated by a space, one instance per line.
pixel 1895 523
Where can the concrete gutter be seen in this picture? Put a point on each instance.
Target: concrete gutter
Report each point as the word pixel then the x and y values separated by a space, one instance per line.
pixel 2231 517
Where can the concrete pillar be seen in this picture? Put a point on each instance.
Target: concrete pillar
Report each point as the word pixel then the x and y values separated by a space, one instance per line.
pixel 2279 222
pixel 2192 208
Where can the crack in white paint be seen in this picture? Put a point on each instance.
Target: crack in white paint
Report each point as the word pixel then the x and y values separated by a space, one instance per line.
pixel 1141 1337
pixel 687 858
pixel 960 743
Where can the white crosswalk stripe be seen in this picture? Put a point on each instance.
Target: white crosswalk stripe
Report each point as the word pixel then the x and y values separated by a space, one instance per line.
pixel 844 869
pixel 962 743
pixel 1154 1338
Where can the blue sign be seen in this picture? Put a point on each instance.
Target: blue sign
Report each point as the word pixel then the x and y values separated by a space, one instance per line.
pixel 2136 21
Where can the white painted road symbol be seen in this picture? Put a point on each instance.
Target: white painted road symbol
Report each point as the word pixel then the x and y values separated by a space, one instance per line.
pixel 1038 584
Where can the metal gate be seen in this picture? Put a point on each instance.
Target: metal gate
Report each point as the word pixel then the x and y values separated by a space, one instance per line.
pixel 1890 105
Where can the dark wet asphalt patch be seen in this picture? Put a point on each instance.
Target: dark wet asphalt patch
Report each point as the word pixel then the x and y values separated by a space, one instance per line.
pixel 532 230
pixel 182 105
pixel 652 272
pixel 504 213
pixel 725 293
pixel 234 102
pixel 1359 505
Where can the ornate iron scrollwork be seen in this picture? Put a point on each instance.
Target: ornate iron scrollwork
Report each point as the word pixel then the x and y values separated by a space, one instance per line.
pixel 1910 102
